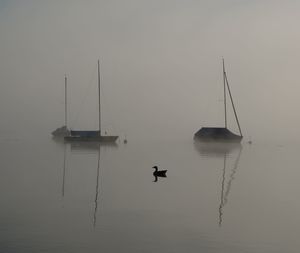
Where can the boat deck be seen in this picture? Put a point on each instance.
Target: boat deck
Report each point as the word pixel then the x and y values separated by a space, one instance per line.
pixel 107 138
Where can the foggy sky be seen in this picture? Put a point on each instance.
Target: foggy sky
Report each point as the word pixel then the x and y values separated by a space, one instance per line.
pixel 160 64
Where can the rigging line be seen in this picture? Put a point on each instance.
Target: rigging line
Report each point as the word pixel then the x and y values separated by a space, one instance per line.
pixel 224 84
pixel 85 95
pixel 235 114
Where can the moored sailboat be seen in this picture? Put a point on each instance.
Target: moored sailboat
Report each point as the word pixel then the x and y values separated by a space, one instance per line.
pixel 94 135
pixel 221 134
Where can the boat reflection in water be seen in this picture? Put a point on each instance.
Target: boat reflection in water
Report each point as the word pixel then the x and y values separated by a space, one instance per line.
pixel 216 149
pixel 86 148
pixel 97 191
pixel 222 150
pixel 90 147
pixel 226 189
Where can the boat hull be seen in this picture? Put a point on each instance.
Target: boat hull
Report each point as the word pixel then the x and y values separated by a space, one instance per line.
pixel 217 134
pixel 104 139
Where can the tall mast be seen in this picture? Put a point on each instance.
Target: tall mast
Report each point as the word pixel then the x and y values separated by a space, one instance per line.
pixel 235 114
pixel 224 74
pixel 99 97
pixel 66 112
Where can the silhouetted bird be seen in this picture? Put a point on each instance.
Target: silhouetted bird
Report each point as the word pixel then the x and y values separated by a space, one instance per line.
pixel 159 173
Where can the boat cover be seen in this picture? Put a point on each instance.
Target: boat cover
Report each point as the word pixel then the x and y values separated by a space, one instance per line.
pixel 216 133
pixel 80 133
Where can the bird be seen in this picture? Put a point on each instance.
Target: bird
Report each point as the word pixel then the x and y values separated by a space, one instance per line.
pixel 159 173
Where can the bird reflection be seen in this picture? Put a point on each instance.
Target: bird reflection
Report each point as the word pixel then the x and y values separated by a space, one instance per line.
pixel 225 191
pixel 156 178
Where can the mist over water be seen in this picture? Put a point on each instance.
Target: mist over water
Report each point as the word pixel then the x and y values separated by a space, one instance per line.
pixel 161 81
pixel 160 65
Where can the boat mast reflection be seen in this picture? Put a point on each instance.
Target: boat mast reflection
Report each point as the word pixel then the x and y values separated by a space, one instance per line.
pixel 225 191
pixel 221 150
pixel 64 172
pixel 85 149
pixel 97 190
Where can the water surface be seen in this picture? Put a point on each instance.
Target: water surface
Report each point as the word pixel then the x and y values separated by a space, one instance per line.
pixel 55 197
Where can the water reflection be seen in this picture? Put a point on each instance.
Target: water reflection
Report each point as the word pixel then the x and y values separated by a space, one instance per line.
pixel 64 172
pixel 156 177
pixel 90 147
pixel 97 190
pixel 222 150
pixel 216 149
pixel 225 191
pixel 84 148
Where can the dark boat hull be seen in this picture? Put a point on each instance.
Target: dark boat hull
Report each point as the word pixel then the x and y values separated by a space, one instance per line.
pixel 105 139
pixel 217 134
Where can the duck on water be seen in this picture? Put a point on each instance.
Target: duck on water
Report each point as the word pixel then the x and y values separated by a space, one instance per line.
pixel 221 134
pixel 158 173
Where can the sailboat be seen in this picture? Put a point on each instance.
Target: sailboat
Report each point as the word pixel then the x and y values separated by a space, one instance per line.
pixel 63 131
pixel 221 134
pixel 79 135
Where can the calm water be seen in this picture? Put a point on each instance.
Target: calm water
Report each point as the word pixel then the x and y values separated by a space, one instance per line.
pixel 55 198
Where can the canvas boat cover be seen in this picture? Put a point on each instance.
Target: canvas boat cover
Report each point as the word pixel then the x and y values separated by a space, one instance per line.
pixel 216 133
pixel 79 133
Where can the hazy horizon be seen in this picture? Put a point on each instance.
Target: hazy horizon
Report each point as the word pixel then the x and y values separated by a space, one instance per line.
pixel 160 65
